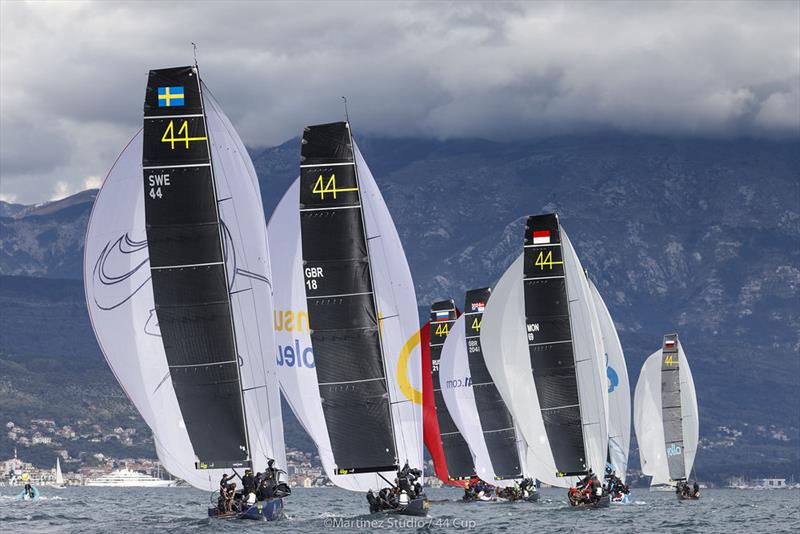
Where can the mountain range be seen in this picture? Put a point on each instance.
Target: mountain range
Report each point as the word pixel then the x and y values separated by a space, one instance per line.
pixel 695 236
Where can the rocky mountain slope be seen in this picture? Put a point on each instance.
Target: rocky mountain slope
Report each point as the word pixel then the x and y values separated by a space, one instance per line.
pixel 695 236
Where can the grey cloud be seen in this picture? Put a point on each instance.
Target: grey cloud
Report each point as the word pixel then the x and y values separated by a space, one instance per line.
pixel 73 74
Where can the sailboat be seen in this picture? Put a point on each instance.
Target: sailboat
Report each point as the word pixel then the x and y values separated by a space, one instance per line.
pixel 457 455
pixel 476 407
pixel 59 482
pixel 179 289
pixel 619 395
pixel 346 319
pixel 666 417
pixel 541 344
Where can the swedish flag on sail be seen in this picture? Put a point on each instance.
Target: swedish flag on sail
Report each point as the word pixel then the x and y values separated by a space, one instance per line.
pixel 170 97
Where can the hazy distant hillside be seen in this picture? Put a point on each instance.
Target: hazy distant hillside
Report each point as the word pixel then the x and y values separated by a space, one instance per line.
pixel 699 237
pixel 45 239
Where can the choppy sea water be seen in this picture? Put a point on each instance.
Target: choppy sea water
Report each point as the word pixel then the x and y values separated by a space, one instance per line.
pixel 315 511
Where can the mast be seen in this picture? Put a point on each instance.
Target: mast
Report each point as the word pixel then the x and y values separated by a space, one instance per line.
pixel 550 343
pixel 456 450
pixel 497 424
pixel 189 275
pixel 345 326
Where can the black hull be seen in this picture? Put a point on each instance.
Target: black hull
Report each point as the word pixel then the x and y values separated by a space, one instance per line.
pixel 687 497
pixel 604 502
pixel 267 510
pixel 416 507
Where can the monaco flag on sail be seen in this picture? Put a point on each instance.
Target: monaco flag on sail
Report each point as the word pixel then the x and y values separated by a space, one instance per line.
pixel 541 237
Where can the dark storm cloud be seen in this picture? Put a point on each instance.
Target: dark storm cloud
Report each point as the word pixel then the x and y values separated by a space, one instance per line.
pixel 73 74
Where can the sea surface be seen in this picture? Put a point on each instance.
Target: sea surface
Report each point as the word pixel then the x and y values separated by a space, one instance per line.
pixel 319 510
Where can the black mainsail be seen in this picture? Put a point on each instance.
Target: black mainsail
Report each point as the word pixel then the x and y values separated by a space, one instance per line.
pixel 342 311
pixel 456 450
pixel 550 343
pixel 187 264
pixel 671 407
pixel 496 422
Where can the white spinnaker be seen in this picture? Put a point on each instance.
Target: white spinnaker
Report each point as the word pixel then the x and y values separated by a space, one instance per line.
pixel 590 367
pixel 505 351
pixel 247 260
pixel 689 412
pixel 120 300
pixel 394 291
pixel 619 391
pixel 399 318
pixel 459 397
pixel 648 422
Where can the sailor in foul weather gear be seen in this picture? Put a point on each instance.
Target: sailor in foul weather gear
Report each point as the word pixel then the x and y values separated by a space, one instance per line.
pixel 248 482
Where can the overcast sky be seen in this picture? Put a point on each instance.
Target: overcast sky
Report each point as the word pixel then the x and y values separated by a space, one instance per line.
pixel 73 74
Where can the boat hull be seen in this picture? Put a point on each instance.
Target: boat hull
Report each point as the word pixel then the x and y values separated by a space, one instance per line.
pixel 267 510
pixel 624 499
pixel 604 502
pixel 687 497
pixel 417 507
pixel 22 497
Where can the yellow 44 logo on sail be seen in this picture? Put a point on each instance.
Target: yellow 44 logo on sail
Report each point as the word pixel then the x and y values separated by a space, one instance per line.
pixel 329 187
pixel 169 135
pixel 546 260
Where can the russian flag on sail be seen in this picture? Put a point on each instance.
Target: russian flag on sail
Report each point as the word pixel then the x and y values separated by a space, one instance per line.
pixel 669 344
pixel 541 237
pixel 441 315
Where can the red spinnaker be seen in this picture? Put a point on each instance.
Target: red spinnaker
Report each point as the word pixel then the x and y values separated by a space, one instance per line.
pixel 430 423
